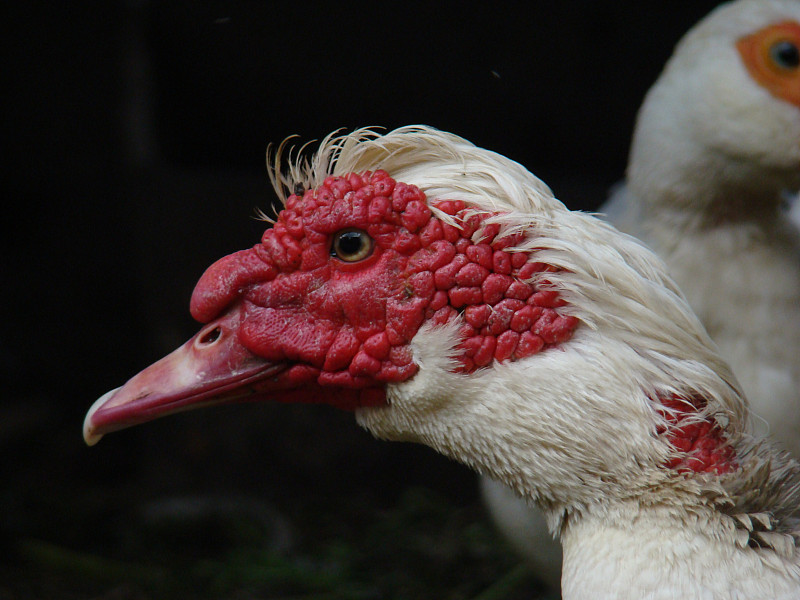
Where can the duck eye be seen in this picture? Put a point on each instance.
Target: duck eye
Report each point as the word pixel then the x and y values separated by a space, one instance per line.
pixel 351 245
pixel 785 54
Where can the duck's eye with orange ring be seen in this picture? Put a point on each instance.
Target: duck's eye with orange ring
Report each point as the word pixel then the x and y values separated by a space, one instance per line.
pixel 772 58
pixel 785 54
pixel 351 245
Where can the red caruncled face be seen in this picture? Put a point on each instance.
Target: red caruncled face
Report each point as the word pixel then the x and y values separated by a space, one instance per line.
pixel 351 271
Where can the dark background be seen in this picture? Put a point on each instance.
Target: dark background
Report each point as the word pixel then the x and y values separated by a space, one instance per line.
pixel 135 136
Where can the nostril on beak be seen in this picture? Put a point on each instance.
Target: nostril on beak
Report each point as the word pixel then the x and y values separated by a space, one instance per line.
pixel 210 336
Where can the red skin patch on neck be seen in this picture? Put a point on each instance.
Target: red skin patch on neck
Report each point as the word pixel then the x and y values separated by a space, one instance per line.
pixel 702 444
pixel 349 324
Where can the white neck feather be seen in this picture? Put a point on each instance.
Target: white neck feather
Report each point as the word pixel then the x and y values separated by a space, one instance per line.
pixel 524 422
pixel 547 428
pixel 658 553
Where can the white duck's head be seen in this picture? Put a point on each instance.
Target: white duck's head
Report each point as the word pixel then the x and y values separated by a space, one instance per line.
pixel 443 293
pixel 722 123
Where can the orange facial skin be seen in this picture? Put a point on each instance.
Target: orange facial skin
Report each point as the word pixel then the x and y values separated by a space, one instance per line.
pixel 772 57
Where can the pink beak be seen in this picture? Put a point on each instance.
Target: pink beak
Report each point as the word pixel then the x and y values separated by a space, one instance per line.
pixel 211 368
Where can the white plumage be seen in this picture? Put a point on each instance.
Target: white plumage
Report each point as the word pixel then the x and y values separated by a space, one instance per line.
pixel 573 430
pixel 713 153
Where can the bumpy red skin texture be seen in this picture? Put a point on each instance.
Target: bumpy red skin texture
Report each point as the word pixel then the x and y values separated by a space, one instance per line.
pixel 348 325
pixel 704 443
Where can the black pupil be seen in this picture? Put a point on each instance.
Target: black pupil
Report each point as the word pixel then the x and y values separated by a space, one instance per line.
pixel 786 55
pixel 350 243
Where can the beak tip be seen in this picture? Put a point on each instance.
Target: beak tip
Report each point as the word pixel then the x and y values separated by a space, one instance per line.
pixel 90 438
pixel 90 433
